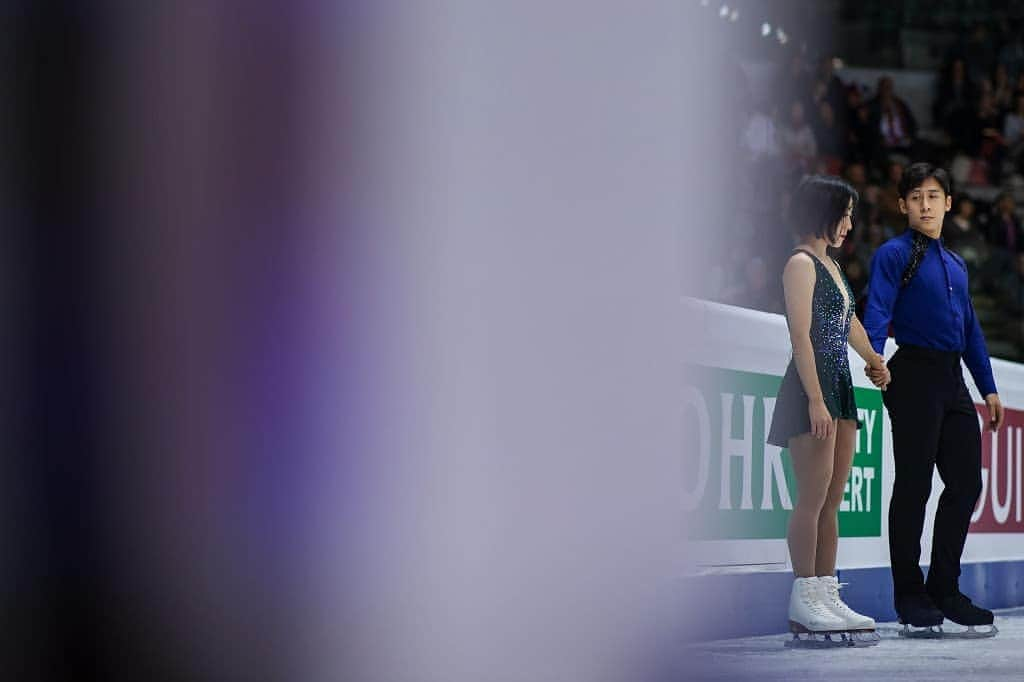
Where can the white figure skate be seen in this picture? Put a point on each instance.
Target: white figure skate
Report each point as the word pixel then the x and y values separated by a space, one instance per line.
pixel 812 623
pixel 860 628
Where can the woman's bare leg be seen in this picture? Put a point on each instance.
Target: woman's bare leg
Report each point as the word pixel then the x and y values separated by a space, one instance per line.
pixel 828 520
pixel 812 464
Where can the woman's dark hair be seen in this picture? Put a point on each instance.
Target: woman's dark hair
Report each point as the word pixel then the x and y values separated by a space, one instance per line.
pixel 819 204
pixel 915 174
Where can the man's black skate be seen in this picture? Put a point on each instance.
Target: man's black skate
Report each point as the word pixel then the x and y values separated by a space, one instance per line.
pixel 918 611
pixel 959 609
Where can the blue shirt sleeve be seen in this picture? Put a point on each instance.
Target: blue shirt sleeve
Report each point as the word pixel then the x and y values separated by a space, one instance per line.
pixel 883 288
pixel 976 355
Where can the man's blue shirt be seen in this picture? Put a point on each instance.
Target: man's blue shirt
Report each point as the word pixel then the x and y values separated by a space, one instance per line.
pixel 933 311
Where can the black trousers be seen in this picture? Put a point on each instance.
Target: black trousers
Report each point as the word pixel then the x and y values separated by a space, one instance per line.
pixel 934 424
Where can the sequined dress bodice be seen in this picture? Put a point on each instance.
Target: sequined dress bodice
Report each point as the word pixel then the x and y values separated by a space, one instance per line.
pixel 831 315
pixel 830 330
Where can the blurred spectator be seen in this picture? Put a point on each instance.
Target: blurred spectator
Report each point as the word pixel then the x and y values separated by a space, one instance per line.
pixel 1010 287
pixel 874 238
pixel 794 82
pixel 1004 228
pixel 1013 132
pixel 831 136
pixel 889 198
pixel 826 87
pixel 761 138
pixel 862 134
pixel 857 275
pixel 954 100
pixel 798 142
pixel 757 290
pixel 893 120
pixel 1012 53
pixel 1002 88
pixel 979 51
pixel 961 233
pixel 983 140
pixel 856 174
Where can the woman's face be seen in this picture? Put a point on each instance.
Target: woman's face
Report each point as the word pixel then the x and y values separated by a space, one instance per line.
pixel 844 227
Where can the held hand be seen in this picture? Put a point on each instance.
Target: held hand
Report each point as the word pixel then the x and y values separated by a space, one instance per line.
pixel 822 424
pixel 878 373
pixel 880 378
pixel 995 411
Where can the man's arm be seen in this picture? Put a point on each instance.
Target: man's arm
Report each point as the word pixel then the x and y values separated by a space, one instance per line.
pixel 883 289
pixel 977 361
pixel 976 354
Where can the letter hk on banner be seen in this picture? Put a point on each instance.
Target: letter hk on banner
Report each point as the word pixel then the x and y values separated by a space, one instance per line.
pixel 1000 508
pixel 740 487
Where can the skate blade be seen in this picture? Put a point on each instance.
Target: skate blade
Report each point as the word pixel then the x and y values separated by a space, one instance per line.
pixel 842 639
pixel 927 632
pixel 862 638
pixel 820 640
pixel 939 632
pixel 970 633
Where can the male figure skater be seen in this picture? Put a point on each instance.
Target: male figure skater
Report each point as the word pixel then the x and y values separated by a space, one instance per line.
pixel 921 287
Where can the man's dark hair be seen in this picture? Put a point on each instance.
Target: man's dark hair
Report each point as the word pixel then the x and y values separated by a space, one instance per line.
pixel 818 205
pixel 915 174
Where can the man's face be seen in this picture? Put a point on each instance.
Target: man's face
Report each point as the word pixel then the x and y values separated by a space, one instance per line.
pixel 926 206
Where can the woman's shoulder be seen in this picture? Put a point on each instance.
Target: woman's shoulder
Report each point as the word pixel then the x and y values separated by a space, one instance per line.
pixel 800 264
pixel 800 258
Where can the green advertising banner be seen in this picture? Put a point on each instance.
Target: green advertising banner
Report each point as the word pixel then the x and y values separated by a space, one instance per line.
pixel 740 487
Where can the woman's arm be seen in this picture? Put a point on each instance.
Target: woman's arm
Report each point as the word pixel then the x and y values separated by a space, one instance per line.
pixel 876 370
pixel 862 344
pixel 798 284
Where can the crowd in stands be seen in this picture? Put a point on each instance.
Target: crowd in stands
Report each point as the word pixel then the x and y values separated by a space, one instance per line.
pixel 815 122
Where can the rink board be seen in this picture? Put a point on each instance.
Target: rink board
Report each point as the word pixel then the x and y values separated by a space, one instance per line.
pixel 740 490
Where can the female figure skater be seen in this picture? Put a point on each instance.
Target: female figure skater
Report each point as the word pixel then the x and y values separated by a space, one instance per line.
pixel 815 413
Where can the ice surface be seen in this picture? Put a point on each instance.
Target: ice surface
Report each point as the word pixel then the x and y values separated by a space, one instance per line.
pixel 894 658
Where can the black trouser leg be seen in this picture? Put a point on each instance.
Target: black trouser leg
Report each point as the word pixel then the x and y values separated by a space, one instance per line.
pixel 915 414
pixel 959 464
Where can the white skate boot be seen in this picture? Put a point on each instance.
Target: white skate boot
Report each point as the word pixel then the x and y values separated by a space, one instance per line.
pixel 861 627
pixel 810 620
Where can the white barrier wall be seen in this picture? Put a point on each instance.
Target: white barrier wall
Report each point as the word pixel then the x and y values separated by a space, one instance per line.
pixel 738 488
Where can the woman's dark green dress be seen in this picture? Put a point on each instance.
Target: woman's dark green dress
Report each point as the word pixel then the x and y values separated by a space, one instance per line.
pixel 830 331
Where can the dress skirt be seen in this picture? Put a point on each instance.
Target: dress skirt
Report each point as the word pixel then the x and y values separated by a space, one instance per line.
pixel 791 416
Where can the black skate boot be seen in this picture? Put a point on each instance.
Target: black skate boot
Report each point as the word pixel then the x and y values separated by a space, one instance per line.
pixel 959 609
pixel 919 616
